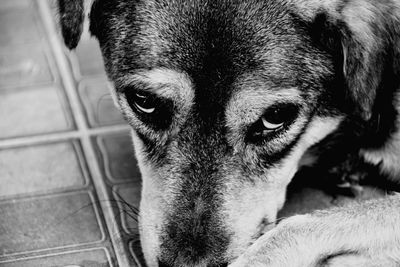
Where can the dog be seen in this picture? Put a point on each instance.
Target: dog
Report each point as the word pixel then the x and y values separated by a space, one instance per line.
pixel 228 99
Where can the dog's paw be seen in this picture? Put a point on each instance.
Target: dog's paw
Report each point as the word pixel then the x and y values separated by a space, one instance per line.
pixel 355 261
pixel 305 241
pixel 286 245
pixel 321 239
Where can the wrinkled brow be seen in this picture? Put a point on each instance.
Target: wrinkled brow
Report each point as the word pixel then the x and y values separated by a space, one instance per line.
pixel 154 80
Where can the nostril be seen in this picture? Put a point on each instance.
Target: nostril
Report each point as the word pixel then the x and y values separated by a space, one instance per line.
pixel 220 265
pixel 163 264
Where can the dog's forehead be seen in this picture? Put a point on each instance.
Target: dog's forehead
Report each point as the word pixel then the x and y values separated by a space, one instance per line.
pixel 190 33
pixel 214 39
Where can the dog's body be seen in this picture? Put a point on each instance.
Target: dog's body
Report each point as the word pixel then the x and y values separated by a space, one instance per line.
pixel 229 98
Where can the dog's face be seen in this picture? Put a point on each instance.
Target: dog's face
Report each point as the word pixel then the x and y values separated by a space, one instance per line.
pixel 224 98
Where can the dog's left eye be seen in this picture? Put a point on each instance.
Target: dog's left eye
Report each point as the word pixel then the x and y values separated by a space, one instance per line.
pixel 273 120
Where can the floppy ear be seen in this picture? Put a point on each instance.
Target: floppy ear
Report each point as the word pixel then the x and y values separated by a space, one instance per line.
pixel 363 37
pixel 71 19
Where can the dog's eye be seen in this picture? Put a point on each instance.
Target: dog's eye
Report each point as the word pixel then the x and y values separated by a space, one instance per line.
pixel 153 110
pixel 272 121
pixel 277 116
pixel 141 102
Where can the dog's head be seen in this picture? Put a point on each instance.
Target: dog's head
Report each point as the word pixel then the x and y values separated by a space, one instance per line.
pixel 225 97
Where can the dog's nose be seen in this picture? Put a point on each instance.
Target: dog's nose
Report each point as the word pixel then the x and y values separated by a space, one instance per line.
pixel 163 264
pixel 219 265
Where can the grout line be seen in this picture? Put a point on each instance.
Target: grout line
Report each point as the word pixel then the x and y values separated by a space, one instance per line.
pixel 109 129
pixel 75 251
pixel 38 139
pixel 59 136
pixel 84 132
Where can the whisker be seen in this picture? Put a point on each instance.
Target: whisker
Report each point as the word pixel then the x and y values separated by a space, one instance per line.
pixel 134 209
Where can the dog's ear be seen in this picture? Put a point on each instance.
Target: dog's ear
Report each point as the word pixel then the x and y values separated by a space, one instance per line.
pixel 363 37
pixel 72 15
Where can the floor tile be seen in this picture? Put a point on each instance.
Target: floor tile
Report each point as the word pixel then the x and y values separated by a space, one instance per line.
pixel 48 222
pixel 117 155
pixel 24 65
pixel 98 104
pixel 29 112
pixel 128 197
pixel 84 258
pixel 49 205
pixel 18 26
pixel 12 4
pixel 41 168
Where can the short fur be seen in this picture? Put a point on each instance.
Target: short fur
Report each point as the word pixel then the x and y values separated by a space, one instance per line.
pixel 212 75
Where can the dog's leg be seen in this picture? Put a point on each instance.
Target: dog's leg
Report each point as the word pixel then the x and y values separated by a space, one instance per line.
pixel 362 233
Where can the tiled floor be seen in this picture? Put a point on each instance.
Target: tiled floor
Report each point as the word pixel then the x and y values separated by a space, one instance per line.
pixel 66 161
pixel 68 176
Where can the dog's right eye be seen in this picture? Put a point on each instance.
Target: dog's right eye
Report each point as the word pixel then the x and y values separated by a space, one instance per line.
pixel 140 101
pixel 153 110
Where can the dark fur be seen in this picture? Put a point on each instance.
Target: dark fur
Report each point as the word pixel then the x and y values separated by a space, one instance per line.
pixel 71 20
